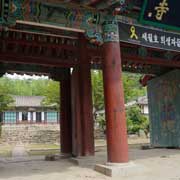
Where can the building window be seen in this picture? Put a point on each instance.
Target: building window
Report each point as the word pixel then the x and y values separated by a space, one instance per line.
pixel 52 117
pixel 24 116
pixel 58 117
pixel 31 116
pixel 1 117
pixel 38 117
pixel 10 117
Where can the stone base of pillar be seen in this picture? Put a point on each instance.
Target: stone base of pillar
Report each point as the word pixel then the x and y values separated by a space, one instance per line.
pixel 120 169
pixel 87 161
pixel 65 155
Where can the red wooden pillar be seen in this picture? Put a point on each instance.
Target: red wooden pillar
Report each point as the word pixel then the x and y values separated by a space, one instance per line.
pixel 82 109
pixel 117 145
pixel 86 100
pixel 65 114
pixel 76 114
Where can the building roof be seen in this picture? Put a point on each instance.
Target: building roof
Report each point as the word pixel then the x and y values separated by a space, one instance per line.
pixel 142 100
pixel 28 101
pixel 139 101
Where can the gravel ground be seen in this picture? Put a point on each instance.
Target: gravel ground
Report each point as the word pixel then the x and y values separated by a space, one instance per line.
pixel 160 164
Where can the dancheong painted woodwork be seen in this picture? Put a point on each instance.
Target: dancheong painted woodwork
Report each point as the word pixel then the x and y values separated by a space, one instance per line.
pixel 50 30
pixel 59 13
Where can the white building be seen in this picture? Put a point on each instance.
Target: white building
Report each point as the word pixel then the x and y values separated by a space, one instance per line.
pixel 30 109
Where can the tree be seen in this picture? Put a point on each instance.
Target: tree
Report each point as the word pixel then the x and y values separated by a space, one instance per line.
pixel 101 122
pixel 52 94
pixel 145 126
pixel 33 87
pixel 5 101
pixel 132 87
pixel 25 87
pixel 136 121
pixel 132 90
pixel 97 91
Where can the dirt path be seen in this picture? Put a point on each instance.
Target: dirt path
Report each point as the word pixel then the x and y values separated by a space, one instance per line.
pixel 19 151
pixel 161 164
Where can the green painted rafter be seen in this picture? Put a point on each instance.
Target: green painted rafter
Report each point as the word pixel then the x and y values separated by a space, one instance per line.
pixel 64 14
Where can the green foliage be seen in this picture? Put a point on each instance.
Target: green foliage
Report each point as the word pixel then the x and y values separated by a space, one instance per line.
pixel 5 98
pixel 101 122
pixel 5 101
pixel 26 87
pixel 52 94
pixel 136 121
pixel 132 87
pixel 97 90
pixel 29 87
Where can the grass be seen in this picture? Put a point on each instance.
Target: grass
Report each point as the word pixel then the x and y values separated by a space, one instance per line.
pixel 43 152
pixel 6 150
pixel 42 149
pixel 41 146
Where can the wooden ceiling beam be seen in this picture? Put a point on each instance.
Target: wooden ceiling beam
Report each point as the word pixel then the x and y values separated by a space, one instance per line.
pixel 151 60
pixel 44 61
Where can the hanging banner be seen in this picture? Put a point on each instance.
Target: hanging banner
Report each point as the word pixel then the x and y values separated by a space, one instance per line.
pixel 148 37
pixel 161 13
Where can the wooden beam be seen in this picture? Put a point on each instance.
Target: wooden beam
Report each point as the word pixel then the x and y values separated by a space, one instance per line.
pixel 44 61
pixel 40 44
pixel 50 26
pixel 42 34
pixel 151 60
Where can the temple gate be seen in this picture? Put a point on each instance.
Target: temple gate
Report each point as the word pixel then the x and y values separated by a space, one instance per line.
pixel 54 36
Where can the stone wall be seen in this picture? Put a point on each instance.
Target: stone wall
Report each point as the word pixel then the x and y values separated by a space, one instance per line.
pixel 35 134
pixel 30 133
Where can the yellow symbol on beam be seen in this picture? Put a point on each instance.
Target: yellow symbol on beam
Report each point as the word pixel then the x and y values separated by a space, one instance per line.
pixel 133 33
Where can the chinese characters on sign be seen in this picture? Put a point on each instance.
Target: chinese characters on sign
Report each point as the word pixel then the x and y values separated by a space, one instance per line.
pixel 145 36
pixel 161 10
pixel 161 13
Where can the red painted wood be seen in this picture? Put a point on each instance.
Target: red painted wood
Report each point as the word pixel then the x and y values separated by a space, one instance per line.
pixel 151 60
pixel 86 111
pixel 39 44
pixel 76 114
pixel 86 100
pixel 65 54
pixel 83 125
pixel 144 80
pixel 117 146
pixel 40 60
pixel 65 109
